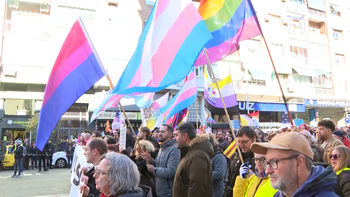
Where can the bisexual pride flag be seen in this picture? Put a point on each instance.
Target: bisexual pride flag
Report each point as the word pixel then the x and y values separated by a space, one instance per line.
pixel 76 69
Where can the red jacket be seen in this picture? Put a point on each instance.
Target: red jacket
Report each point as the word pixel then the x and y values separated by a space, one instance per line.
pixel 346 142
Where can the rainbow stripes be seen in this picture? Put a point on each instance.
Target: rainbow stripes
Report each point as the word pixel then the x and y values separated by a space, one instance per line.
pixel 167 49
pixel 184 98
pixel 230 150
pixel 76 69
pixel 229 21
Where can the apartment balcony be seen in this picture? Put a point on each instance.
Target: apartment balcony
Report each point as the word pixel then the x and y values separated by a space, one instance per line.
pixel 35 30
pixel 317 38
pixel 296 6
pixel 304 90
pixel 299 61
pixel 297 33
pixel 316 15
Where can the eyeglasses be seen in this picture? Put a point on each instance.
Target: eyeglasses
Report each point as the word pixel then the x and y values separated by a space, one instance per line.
pixel 335 156
pixel 261 159
pixel 273 163
pixel 98 172
pixel 243 141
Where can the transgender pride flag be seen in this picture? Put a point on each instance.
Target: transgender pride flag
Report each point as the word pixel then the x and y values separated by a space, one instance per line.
pixel 76 69
pixel 173 37
pixel 109 101
pixel 229 21
pixel 184 98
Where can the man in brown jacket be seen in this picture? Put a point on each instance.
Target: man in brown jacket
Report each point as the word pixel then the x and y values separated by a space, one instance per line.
pixel 325 130
pixel 194 175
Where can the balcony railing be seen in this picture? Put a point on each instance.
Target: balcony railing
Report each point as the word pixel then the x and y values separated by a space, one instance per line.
pixel 316 12
pixel 316 37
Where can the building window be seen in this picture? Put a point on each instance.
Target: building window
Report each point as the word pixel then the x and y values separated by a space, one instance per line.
pixel 297 1
pixel 257 82
pixel 337 34
pixel 339 60
pixel 150 2
pixel 300 79
pixel 19 107
pixel 277 49
pixel 299 54
pixel 335 10
pixel 322 81
pixel 200 71
pixel 296 24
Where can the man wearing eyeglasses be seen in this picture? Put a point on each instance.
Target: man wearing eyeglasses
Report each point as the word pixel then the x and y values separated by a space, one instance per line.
pixel 245 137
pixel 289 166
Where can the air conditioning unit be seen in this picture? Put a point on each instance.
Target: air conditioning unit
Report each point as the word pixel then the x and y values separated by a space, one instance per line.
pixel 44 8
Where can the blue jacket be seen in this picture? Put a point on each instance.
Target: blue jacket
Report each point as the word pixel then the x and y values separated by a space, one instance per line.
pixel 165 167
pixel 219 165
pixel 320 184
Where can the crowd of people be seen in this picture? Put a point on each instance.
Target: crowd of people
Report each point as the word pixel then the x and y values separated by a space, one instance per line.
pixel 28 157
pixel 299 161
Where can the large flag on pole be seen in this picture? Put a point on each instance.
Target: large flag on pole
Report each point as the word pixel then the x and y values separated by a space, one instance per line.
pixel 169 45
pixel 184 98
pixel 76 69
pixel 212 96
pixel 229 21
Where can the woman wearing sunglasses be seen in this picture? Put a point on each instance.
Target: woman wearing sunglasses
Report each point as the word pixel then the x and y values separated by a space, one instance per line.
pixel 257 184
pixel 339 158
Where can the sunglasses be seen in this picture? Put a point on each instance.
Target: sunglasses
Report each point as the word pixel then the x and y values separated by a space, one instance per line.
pixel 335 156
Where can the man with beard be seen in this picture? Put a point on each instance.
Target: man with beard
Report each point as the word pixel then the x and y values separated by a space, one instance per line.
pixel 165 165
pixel 289 166
pixel 325 131
pixel 244 138
pixel 223 143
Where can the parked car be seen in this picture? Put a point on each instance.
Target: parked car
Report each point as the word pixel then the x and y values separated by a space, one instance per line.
pixel 9 158
pixel 59 159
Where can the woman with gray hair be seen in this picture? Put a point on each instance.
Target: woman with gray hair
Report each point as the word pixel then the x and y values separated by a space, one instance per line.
pixel 117 176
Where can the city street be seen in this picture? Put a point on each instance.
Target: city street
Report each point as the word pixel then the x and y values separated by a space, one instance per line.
pixel 55 182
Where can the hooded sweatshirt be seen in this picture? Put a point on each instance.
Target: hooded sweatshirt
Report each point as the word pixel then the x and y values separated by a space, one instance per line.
pixel 320 183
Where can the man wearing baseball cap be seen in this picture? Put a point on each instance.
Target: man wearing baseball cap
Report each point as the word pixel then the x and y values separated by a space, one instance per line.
pixel 289 166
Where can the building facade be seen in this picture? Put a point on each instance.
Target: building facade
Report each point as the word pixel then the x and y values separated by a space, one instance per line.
pixel 307 39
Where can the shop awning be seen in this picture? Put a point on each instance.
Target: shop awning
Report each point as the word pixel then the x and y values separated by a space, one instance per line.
pixel 316 4
pixel 284 70
pixel 258 74
pixel 304 72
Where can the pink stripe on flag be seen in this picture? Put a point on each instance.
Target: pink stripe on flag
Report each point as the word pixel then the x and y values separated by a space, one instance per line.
pixel 162 61
pixel 161 6
pixel 71 63
pixel 184 95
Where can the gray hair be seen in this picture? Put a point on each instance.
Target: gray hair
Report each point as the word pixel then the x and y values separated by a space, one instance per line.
pixel 122 173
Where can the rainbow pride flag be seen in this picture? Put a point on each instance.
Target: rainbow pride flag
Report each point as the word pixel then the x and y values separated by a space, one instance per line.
pixel 76 69
pixel 170 43
pixel 229 21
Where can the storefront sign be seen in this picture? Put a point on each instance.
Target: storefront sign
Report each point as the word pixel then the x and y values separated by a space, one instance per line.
pixel 275 107
pixel 110 115
pixel 15 122
pixel 327 103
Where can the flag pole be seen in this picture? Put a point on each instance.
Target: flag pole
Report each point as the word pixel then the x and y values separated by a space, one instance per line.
pixel 274 68
pixel 196 114
pixel 279 83
pixel 121 106
pixel 223 103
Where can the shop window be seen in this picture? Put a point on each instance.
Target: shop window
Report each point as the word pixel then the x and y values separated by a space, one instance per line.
pixel 19 107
